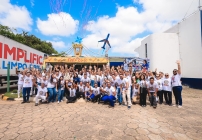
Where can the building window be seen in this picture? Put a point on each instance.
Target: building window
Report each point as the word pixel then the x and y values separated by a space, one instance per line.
pixel 145 50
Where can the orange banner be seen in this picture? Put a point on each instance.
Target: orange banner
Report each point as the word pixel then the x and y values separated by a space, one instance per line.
pixel 75 60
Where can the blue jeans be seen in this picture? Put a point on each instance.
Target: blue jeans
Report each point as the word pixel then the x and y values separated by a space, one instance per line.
pixel 98 83
pixel 104 98
pixel 26 93
pixel 152 99
pixel 52 94
pixel 177 91
pixel 111 99
pixel 131 92
pixel 60 95
pixel 119 95
pixel 92 83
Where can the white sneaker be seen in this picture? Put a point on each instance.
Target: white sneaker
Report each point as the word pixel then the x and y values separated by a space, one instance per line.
pixel 174 105
pixel 179 106
pixel 58 102
pixel 61 100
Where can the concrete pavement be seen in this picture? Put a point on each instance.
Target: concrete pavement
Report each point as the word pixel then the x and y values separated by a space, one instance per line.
pixel 98 122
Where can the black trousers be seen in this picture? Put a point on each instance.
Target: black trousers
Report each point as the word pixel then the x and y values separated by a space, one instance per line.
pixel 168 97
pixel 96 98
pixel 143 96
pixel 71 99
pixel 78 95
pixel 160 95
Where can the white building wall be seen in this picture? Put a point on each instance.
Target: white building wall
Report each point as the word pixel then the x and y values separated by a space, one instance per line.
pixel 182 41
pixel 159 51
pixel 190 47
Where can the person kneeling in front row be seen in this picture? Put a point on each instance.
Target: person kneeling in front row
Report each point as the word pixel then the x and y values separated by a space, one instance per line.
pixel 96 93
pixel 152 88
pixel 41 93
pixel 72 96
pixel 110 96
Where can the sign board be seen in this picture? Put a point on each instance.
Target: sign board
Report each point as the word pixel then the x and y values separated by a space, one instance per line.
pixel 135 62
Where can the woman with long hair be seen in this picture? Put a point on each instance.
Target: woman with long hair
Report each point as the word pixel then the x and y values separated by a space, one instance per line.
pixel 60 88
pixel 143 91
pixel 52 83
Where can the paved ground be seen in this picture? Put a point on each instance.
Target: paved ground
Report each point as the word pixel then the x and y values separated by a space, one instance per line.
pixel 98 122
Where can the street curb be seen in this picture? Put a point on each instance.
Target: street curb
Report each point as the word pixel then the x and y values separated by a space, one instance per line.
pixel 5 98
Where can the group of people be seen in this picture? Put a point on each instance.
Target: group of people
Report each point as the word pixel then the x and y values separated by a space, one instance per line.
pixel 109 85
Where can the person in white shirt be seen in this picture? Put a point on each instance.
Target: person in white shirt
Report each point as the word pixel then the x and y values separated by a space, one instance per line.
pixel 177 86
pixel 85 79
pixel 92 79
pixel 160 92
pixel 20 81
pixel 167 89
pixel 96 93
pixel 80 92
pixel 27 84
pixel 136 92
pixel 72 95
pixel 52 83
pixel 125 90
pixel 60 88
pixel 152 88
pixel 143 91
pixel 88 91
pixel 41 93
pixel 110 93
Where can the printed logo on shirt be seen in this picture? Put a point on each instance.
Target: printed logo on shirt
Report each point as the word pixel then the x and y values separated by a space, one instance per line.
pixel 96 92
pixel 151 88
pixel 27 81
pixel 22 79
pixel 166 83
pixel 80 89
pixel 72 93
pixel 40 92
pixel 173 79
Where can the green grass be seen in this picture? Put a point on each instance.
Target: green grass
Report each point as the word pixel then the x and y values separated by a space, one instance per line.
pixel 15 95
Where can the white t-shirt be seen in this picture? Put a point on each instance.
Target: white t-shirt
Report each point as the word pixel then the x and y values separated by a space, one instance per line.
pixel 42 91
pixel 85 80
pixel 152 87
pixel 159 82
pixel 28 81
pixel 72 92
pixel 124 82
pixel 96 91
pixel 110 90
pixel 118 82
pixel 129 80
pixel 20 79
pixel 92 77
pixel 167 84
pixel 143 84
pixel 81 88
pixel 98 78
pixel 45 82
pixel 51 85
pixel 176 80
pixel 87 89
pixel 62 84
pixel 135 91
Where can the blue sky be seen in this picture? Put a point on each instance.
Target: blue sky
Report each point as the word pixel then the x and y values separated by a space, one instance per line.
pixel 61 21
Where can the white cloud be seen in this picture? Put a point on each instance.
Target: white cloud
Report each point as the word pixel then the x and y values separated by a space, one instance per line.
pixel 157 16
pixel 61 24
pixel 14 16
pixel 57 44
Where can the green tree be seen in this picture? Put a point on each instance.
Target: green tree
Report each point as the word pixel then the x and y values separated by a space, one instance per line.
pixel 29 40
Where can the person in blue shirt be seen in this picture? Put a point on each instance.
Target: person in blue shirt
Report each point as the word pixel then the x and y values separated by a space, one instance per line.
pixel 76 78
pixel 145 65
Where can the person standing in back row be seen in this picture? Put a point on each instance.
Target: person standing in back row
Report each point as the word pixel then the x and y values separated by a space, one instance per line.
pixel 177 86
